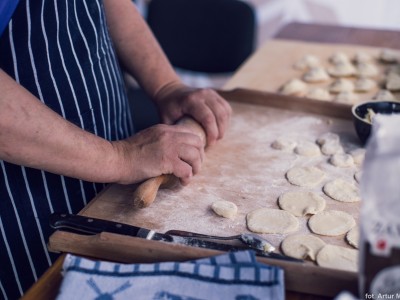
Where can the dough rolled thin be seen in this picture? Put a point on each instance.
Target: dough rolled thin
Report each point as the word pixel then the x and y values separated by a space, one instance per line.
pixel 284 144
pixel 225 209
pixel 305 176
pixel 266 220
pixel 301 203
pixel 331 223
pixel 302 246
pixel 306 148
pixel 342 160
pixel 336 257
pixel 342 191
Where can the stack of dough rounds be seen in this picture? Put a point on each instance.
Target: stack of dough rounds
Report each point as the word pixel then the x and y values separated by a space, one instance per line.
pixel 305 176
pixel 319 93
pixel 384 95
pixel 367 70
pixel 353 236
pixel 266 220
pixel 362 57
pixel 339 58
pixel 342 70
pixel 301 203
pixel 336 257
pixel 341 191
pixel 315 75
pixel 393 82
pixel 306 148
pixel 341 85
pixel 284 144
pixel 346 97
pixel 358 156
pixel 302 246
pixel 331 223
pixel 294 87
pixel 363 85
pixel 307 62
pixel 389 56
pixel 225 209
pixel 342 160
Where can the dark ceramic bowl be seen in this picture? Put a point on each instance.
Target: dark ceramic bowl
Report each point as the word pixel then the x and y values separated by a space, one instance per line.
pixel 359 111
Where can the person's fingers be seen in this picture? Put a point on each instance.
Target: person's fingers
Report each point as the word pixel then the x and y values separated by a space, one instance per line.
pixel 222 111
pixel 191 156
pixel 205 116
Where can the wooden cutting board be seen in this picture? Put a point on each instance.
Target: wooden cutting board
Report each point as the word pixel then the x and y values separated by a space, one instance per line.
pixel 242 168
pixel 272 65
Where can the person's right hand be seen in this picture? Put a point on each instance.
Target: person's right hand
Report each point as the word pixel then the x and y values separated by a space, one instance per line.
pixel 160 149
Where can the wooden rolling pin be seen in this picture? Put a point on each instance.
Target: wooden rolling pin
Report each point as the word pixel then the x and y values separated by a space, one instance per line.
pixel 146 192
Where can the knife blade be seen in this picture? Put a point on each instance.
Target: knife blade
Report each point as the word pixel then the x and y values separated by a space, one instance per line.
pixel 92 226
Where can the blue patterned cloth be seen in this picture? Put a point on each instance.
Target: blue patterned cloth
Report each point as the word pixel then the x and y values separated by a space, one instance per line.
pixel 235 275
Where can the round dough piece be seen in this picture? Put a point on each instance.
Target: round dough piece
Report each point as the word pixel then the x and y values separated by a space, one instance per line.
pixel 358 156
pixel 342 160
pixel 342 191
pixel 331 148
pixel 267 220
pixel 301 203
pixel 225 209
pixel 383 95
pixel 367 70
pixel 306 62
pixel 305 176
pixel 336 257
pixel 346 97
pixel 341 85
pixel 315 75
pixel 363 57
pixel 319 93
pixel 353 237
pixel 339 58
pixel 306 148
pixel 331 223
pixel 283 143
pixel 357 176
pixel 364 85
pixel 302 246
pixel 393 82
pixel 342 70
pixel 294 87
pixel 389 55
pixel 328 137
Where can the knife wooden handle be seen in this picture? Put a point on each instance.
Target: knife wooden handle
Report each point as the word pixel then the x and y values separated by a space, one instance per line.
pixel 146 192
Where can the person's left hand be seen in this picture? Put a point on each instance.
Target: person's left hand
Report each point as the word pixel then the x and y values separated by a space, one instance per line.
pixel 206 106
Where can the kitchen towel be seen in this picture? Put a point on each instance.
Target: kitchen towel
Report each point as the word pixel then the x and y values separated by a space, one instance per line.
pixel 235 275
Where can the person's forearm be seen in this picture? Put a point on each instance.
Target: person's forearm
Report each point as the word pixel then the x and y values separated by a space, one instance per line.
pixel 137 48
pixel 33 135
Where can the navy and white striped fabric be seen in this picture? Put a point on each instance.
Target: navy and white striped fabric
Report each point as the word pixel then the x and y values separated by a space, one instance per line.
pixel 61 52
pixel 235 275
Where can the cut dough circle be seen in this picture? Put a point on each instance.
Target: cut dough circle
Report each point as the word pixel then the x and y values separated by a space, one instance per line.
pixel 284 144
pixel 393 82
pixel 342 160
pixel 341 85
pixel 336 257
pixel 339 58
pixel 342 70
pixel 319 93
pixel 302 246
pixel 225 209
pixel 342 191
pixel 358 156
pixel 389 55
pixel 328 137
pixel 364 85
pixel 331 147
pixel 294 87
pixel 331 223
pixel 315 75
pixel 307 149
pixel 363 57
pixel 367 70
pixel 353 236
pixel 305 176
pixel 306 62
pixel 266 220
pixel 301 203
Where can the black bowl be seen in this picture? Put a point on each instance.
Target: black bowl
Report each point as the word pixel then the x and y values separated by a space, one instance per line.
pixel 359 111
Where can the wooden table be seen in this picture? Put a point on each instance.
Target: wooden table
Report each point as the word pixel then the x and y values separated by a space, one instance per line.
pixel 47 286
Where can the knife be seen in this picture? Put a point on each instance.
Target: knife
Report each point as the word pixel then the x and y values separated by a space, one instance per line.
pixel 88 225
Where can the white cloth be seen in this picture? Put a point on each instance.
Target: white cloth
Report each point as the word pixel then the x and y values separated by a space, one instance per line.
pixel 235 275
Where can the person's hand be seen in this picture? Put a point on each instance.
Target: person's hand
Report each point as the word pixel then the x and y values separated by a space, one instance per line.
pixel 160 149
pixel 204 105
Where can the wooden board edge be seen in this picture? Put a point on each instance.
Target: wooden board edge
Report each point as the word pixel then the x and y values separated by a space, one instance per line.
pixel 113 247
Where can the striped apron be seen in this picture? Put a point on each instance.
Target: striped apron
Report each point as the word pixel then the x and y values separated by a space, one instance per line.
pixel 61 52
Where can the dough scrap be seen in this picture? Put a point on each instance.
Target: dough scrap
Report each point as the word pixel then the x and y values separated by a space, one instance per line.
pixel 305 176
pixel 294 87
pixel 341 85
pixel 306 148
pixel 346 97
pixel 315 75
pixel 331 147
pixel 328 137
pixel 383 95
pixel 363 57
pixel 363 85
pixel 342 191
pixel 284 144
pixel 353 237
pixel 357 176
pixel 389 56
pixel 319 93
pixel 302 246
pixel 267 220
pixel 225 209
pixel 342 160
pixel 358 156
pixel 342 70
pixel 301 203
pixel 336 257
pixel 393 82
pixel 306 62
pixel 331 223
pixel 339 58
pixel 367 70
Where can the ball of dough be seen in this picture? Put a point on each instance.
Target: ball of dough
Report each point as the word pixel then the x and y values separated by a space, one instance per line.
pixel 389 56
pixel 342 191
pixel 346 97
pixel 294 87
pixel 353 237
pixel 284 144
pixel 331 147
pixel 302 246
pixel 306 148
pixel 306 62
pixel 358 156
pixel 340 258
pixel 319 93
pixel 225 209
pixel 331 223
pixel 342 160
pixel 315 75
pixel 328 137
pixel 341 85
pixel 363 57
pixel 305 176
pixel 342 70
pixel 367 70
pixel 364 85
pixel 384 95
pixel 266 220
pixel 301 203
pixel 339 58
pixel 393 82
